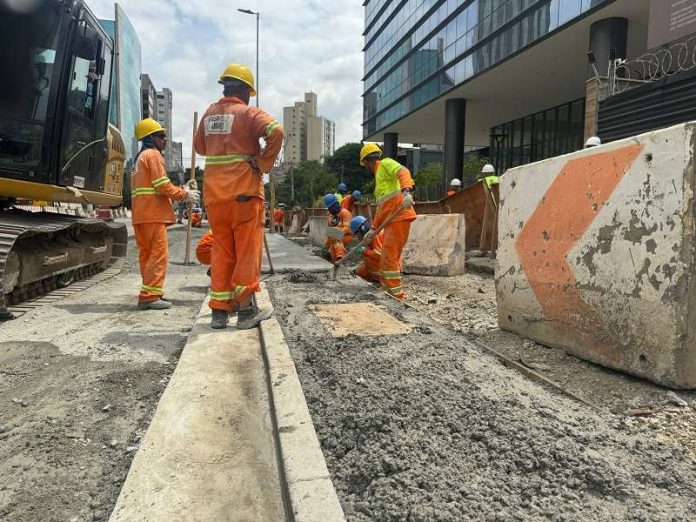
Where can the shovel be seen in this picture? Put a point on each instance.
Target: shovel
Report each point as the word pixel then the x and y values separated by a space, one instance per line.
pixel 391 217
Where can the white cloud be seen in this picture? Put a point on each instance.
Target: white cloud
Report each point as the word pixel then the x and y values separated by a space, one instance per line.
pixel 304 45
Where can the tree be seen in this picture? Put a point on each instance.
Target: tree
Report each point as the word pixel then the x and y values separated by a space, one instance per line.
pixel 345 164
pixel 312 180
pixel 473 163
pixel 430 175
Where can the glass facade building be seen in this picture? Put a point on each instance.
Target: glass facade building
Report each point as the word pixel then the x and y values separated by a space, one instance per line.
pixel 417 50
pixel 124 111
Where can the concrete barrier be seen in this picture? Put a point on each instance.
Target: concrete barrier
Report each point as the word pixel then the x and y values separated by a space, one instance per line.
pixel 597 257
pixel 317 229
pixel 436 245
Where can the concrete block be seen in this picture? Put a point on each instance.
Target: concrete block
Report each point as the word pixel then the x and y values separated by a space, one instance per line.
pixel 436 245
pixel 294 228
pixel 597 255
pixel 317 230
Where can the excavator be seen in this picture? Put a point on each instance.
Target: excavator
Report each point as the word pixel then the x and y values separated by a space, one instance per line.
pixel 56 146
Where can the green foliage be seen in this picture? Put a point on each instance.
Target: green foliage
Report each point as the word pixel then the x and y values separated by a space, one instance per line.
pixel 428 179
pixel 312 180
pixel 345 164
pixel 473 163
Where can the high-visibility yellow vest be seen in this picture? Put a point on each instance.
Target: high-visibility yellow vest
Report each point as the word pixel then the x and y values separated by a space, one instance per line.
pixel 386 179
pixel 491 180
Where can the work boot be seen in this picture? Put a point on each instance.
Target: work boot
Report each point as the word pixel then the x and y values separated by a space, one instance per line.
pixel 155 305
pixel 250 317
pixel 220 318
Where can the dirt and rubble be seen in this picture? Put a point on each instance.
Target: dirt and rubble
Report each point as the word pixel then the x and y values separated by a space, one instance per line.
pixel 79 382
pixel 426 427
pixel 467 303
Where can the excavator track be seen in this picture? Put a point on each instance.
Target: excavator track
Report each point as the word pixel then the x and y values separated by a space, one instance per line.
pixel 43 252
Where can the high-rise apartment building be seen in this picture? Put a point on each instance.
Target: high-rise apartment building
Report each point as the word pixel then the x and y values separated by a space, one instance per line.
pixel 307 135
pixel 164 117
pixel 148 97
pixel 512 76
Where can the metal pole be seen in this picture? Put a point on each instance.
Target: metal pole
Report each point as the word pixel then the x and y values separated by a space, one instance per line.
pixel 187 258
pixel 257 59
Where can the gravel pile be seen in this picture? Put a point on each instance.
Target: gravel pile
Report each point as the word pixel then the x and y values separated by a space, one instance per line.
pixel 424 427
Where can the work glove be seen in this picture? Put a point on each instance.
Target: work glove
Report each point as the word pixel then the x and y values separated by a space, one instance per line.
pixel 360 250
pixel 369 236
pixel 192 184
pixel 192 195
pixel 408 199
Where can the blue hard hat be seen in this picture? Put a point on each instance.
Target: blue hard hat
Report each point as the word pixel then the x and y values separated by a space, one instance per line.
pixel 342 188
pixel 357 195
pixel 330 200
pixel 357 222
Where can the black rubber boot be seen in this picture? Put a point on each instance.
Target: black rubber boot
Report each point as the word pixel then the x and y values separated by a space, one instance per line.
pixel 220 318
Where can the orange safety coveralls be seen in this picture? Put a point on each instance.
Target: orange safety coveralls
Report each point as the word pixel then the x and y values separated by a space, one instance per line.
pixel 204 248
pixel 349 203
pixel 278 216
pixel 228 136
pixel 390 179
pixel 337 247
pixel 151 193
pixel 369 269
pixel 196 220
pixel 450 192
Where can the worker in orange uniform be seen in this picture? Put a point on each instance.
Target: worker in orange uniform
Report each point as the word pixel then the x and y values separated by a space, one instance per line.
pixel 393 186
pixel 369 269
pixel 204 249
pixel 228 136
pixel 455 186
pixel 197 218
pixel 351 200
pixel 338 234
pixel 152 192
pixel 278 218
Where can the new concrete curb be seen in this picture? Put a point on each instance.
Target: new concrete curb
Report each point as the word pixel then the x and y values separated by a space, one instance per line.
pixel 308 484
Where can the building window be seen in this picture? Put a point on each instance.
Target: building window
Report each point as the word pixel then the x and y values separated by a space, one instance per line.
pixel 555 131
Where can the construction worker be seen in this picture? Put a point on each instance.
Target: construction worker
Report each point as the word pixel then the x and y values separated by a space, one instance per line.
pixel 455 185
pixel 152 192
pixel 372 253
pixel 488 175
pixel 350 201
pixel 204 249
pixel 393 186
pixel 593 141
pixel 278 219
pixel 338 234
pixel 342 191
pixel 228 136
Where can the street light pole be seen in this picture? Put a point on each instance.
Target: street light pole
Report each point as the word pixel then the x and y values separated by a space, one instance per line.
pixel 257 15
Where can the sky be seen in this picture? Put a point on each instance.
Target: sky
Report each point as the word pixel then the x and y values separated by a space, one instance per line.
pixel 305 45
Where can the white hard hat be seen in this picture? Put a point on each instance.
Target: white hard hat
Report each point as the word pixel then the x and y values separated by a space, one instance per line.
pixel 592 141
pixel 456 183
pixel 488 169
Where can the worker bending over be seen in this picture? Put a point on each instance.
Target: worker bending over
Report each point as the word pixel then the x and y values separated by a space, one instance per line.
pixel 351 200
pixel 228 136
pixel 151 193
pixel 197 217
pixel 204 249
pixel 338 234
pixel 369 269
pixel 342 191
pixel 393 185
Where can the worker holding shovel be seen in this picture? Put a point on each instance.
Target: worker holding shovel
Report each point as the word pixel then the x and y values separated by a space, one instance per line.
pixel 393 185
pixel 338 234
pixel 371 253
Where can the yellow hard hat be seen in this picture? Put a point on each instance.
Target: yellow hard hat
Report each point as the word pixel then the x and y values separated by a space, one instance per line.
pixel 367 149
pixel 239 72
pixel 146 127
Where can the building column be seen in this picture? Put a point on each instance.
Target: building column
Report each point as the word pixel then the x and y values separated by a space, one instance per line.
pixel 391 145
pixel 455 119
pixel 605 35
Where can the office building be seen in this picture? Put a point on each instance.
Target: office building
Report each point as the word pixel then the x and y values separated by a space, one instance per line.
pixel 177 166
pixel 308 136
pixel 148 98
pixel 124 111
pixel 513 75
pixel 164 117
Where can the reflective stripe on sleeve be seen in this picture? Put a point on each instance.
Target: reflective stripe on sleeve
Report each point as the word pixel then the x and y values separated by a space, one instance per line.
pixel 160 181
pixel 271 127
pixel 143 191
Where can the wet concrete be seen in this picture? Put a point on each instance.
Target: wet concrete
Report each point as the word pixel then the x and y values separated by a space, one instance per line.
pixel 425 427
